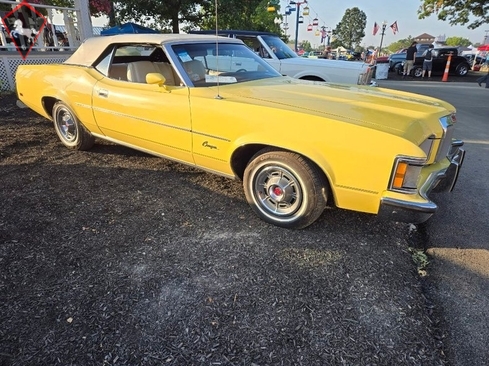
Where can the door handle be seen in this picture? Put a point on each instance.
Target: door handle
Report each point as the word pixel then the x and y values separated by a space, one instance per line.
pixel 103 93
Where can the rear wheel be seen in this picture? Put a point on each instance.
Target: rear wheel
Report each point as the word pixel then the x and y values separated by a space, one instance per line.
pixel 69 128
pixel 462 69
pixel 285 189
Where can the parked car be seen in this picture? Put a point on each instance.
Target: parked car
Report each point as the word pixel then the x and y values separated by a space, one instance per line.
pixel 274 51
pixel 314 54
pixel 396 59
pixel 479 60
pixel 458 64
pixel 354 56
pixel 212 103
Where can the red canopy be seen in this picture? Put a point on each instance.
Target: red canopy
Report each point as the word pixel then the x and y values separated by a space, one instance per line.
pixel 484 47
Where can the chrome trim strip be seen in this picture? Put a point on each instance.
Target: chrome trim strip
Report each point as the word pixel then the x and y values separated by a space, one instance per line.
pixel 103 110
pixel 211 136
pixel 357 189
pixel 83 105
pixel 150 152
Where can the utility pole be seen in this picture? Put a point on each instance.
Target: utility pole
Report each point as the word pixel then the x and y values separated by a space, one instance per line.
pixel 384 25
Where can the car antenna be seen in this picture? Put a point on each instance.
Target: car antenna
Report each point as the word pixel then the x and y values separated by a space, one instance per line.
pixel 217 54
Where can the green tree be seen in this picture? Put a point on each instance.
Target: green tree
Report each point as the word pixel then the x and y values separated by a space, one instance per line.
pixel 351 29
pixel 461 12
pixel 402 43
pixel 165 15
pixel 306 46
pixel 458 41
pixel 239 14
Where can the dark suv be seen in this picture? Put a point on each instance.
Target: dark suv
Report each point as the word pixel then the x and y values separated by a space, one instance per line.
pixel 458 64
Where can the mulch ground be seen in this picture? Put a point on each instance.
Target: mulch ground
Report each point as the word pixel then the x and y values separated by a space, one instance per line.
pixel 114 257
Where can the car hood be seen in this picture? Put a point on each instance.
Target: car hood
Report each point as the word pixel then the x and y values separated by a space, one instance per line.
pixel 411 116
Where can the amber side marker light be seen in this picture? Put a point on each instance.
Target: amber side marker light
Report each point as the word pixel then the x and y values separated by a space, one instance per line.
pixel 406 175
pixel 399 175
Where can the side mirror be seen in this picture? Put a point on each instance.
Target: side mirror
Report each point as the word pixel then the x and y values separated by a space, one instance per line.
pixel 155 78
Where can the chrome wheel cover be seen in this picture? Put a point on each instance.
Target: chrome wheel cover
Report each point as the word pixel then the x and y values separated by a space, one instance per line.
pixel 277 191
pixel 66 125
pixel 463 70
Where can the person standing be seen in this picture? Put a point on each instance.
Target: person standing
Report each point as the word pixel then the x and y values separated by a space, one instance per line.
pixel 373 58
pixel 326 53
pixel 484 79
pixel 428 61
pixel 410 58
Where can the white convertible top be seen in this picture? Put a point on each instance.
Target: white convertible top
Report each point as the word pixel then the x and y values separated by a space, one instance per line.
pixel 91 48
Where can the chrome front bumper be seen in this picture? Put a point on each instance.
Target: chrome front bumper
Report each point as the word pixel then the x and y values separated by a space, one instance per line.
pixel 440 181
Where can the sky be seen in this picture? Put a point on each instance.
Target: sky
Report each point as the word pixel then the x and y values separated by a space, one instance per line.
pixel 330 12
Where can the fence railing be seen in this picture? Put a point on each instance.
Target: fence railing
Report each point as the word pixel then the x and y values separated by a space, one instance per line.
pixel 71 36
pixel 76 27
pixel 9 61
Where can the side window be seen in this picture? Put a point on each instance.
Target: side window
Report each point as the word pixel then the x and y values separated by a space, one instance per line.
pixel 249 42
pixel 445 53
pixel 132 62
pixel 103 65
pixel 134 50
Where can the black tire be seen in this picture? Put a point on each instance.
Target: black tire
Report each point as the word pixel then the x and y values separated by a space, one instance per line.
pixel 69 128
pixel 285 189
pixel 399 68
pixel 462 69
pixel 417 71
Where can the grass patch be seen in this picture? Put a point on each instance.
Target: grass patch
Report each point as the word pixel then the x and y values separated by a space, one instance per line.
pixel 421 260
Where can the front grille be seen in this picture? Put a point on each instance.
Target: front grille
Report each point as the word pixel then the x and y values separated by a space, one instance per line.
pixel 446 143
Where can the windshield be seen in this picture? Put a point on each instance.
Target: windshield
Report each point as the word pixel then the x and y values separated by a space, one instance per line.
pixel 206 64
pixel 278 47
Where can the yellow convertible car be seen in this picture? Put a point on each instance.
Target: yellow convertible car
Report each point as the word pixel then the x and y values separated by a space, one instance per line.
pixel 212 103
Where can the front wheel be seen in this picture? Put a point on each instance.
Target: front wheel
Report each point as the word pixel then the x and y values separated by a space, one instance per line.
pixel 417 71
pixel 69 128
pixel 285 189
pixel 399 68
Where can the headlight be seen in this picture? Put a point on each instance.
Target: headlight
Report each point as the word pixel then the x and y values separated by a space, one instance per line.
pixel 405 174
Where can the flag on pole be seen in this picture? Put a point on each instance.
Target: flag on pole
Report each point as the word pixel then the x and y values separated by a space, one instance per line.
pixel 376 28
pixel 394 27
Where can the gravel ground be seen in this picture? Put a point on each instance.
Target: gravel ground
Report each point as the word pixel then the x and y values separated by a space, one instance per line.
pixel 114 257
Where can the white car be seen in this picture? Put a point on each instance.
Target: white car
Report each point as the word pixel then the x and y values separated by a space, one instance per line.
pixel 273 50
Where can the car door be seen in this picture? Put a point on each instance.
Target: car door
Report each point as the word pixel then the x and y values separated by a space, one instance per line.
pixel 440 61
pixel 148 117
